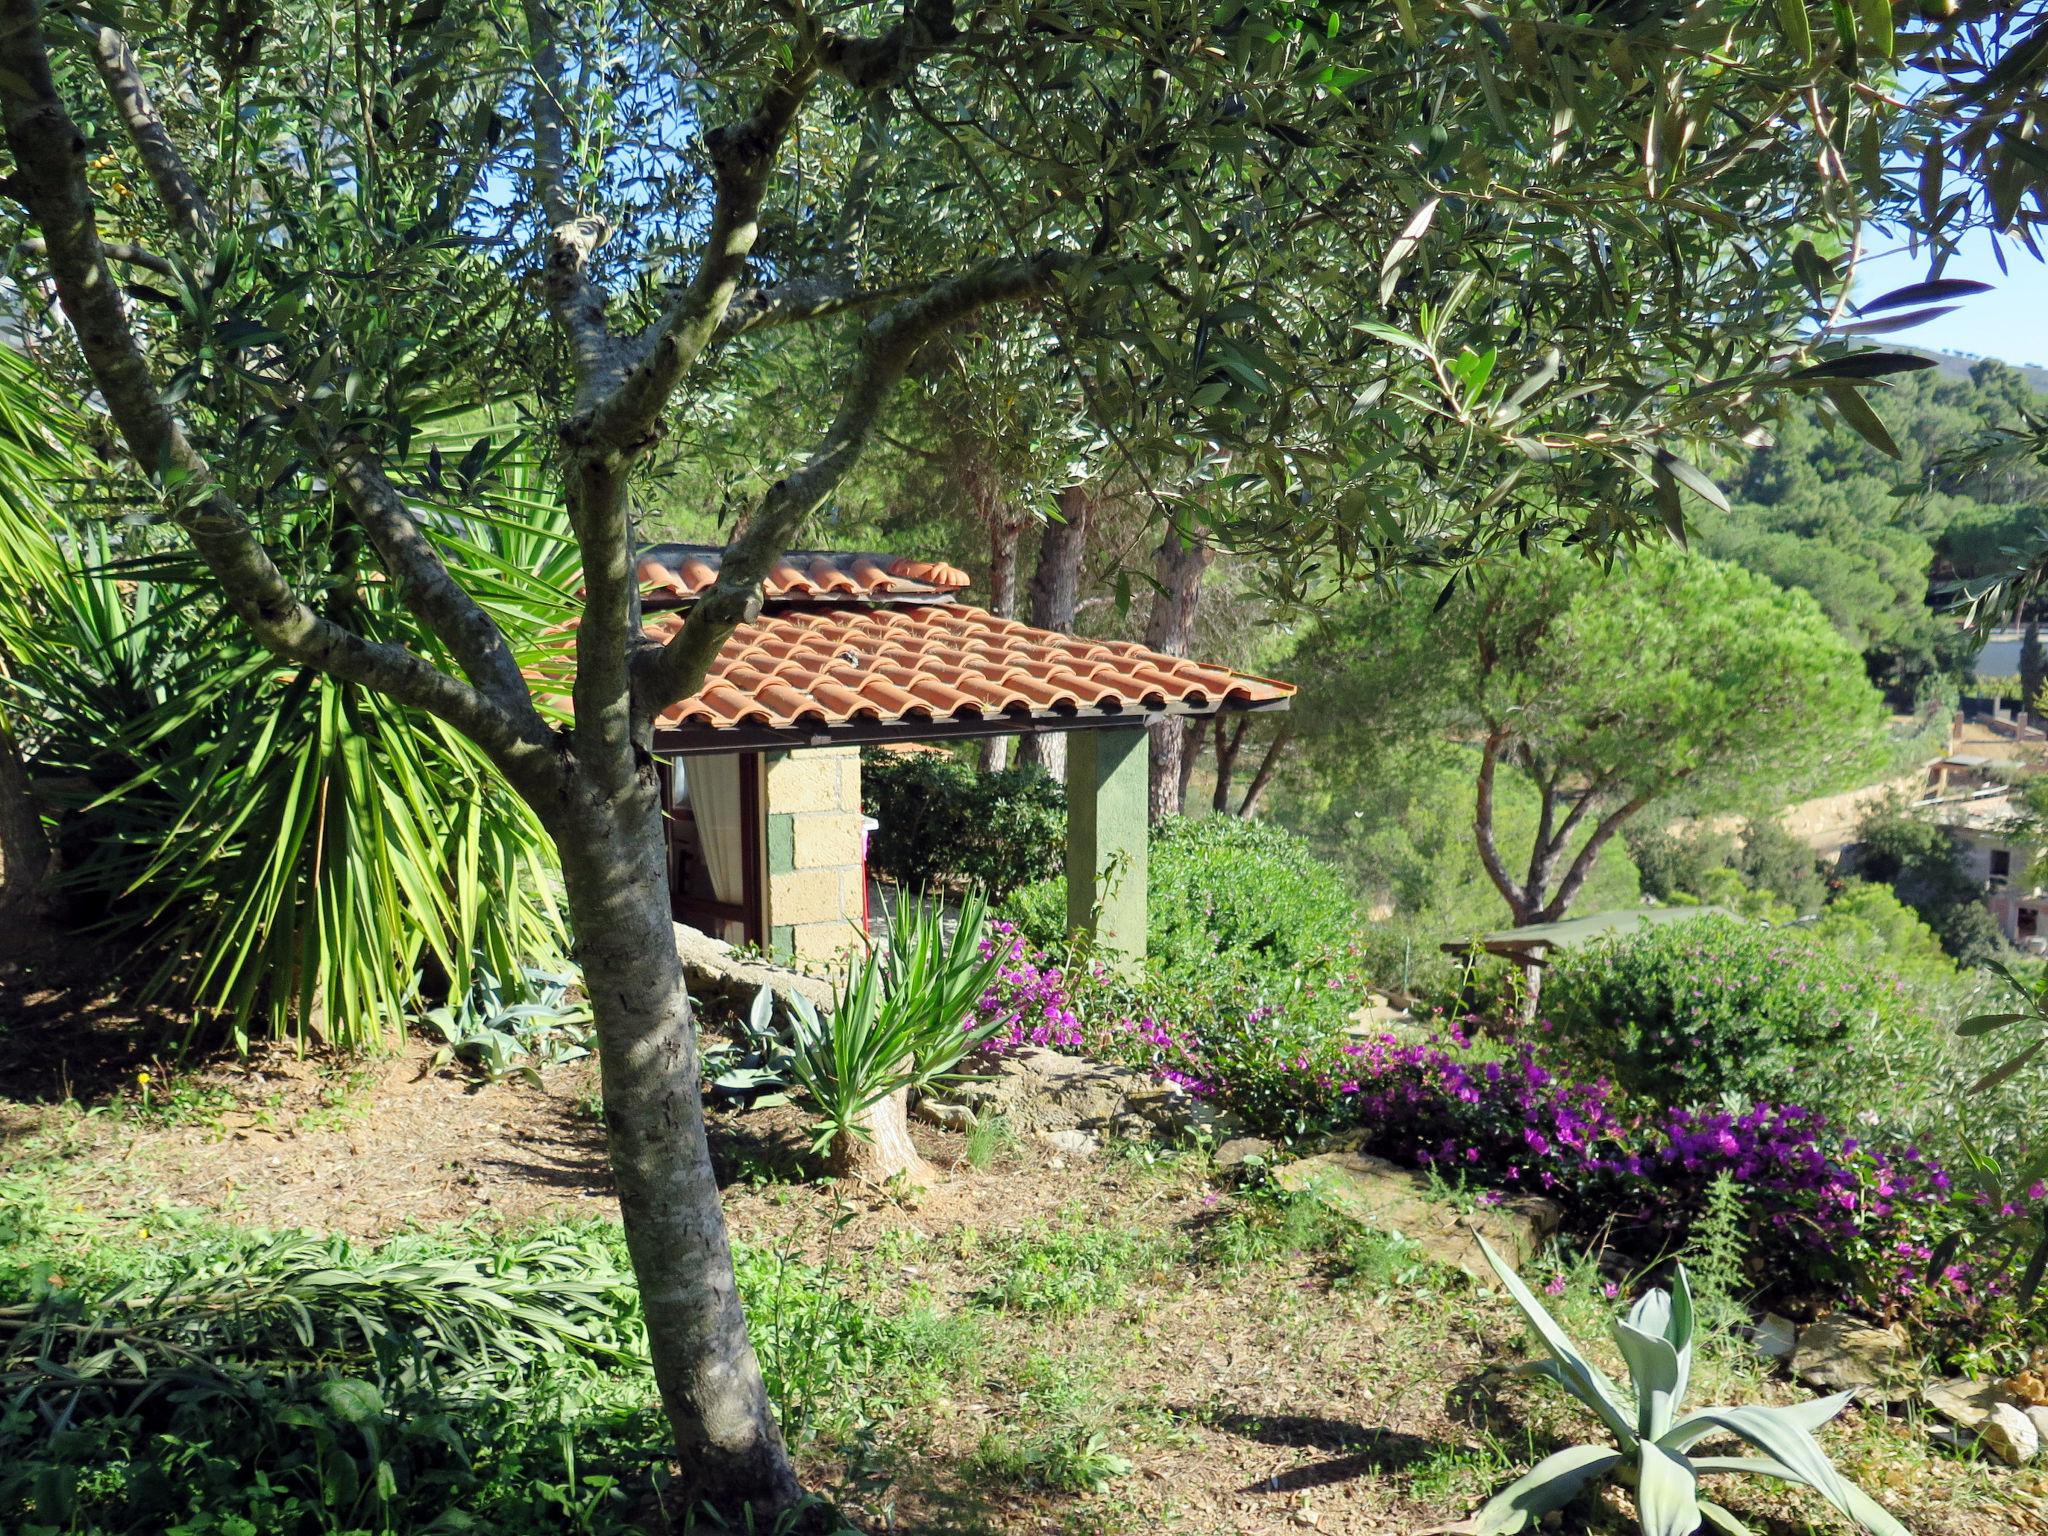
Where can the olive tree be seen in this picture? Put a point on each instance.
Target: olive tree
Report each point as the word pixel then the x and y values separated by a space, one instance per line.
pixel 1439 278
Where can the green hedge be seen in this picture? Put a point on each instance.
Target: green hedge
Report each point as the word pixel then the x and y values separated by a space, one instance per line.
pixel 944 824
pixel 1683 1013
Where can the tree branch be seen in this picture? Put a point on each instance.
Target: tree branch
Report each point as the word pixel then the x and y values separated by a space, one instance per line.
pixel 423 584
pixel 116 250
pixel 1268 766
pixel 1482 823
pixel 743 156
pixel 191 215
pixel 574 297
pixel 798 300
pixel 1582 866
pixel 49 156
pixel 677 670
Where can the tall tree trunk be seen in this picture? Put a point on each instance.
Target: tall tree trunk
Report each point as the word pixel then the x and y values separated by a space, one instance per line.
pixel 1190 754
pixel 1005 524
pixel 1269 765
pixel 1055 595
pixel 1179 567
pixel 1229 742
pixel 24 849
pixel 614 866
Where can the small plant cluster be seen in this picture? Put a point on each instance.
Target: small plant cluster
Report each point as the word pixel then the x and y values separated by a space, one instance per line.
pixel 1687 1012
pixel 506 1031
pixel 941 824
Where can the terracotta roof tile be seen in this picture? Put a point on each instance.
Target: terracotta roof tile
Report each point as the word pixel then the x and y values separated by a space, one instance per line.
pixel 671 574
pixel 831 664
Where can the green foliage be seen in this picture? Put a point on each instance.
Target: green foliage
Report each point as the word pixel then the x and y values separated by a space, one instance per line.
pixel 1871 537
pixel 282 853
pixel 944 824
pixel 1716 1257
pixel 1251 945
pixel 1685 1012
pixel 1676 865
pixel 1773 860
pixel 1674 685
pixel 501 1032
pixel 1917 859
pixel 903 1018
pixel 1868 925
pixel 294 1384
pixel 1656 1339
pixel 1076 1267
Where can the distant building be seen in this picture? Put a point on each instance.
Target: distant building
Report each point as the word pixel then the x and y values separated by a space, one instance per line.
pixel 2000 860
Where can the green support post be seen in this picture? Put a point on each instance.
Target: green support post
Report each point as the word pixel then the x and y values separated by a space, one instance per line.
pixel 1107 782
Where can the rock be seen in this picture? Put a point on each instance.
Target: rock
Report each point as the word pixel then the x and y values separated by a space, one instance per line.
pixel 1838 1353
pixel 1773 1337
pixel 722 985
pixel 1378 1194
pixel 948 1117
pixel 1963 1401
pixel 1039 1090
pixel 2038 1417
pixel 2010 1435
pixel 1072 1142
pixel 1239 1150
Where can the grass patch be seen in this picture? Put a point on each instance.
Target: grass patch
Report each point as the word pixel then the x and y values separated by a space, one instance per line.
pixel 1074 1268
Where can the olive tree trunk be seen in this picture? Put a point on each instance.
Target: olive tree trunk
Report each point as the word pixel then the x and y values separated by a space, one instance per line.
pixel 1055 598
pixel 727 1439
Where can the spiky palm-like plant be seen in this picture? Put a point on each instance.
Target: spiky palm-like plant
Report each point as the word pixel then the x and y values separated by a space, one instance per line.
pixel 1654 1439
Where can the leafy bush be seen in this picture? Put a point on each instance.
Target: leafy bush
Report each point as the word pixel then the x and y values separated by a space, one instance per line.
pixel 1917 859
pixel 1685 1012
pixel 1773 860
pixel 943 824
pixel 1251 949
pixel 1671 865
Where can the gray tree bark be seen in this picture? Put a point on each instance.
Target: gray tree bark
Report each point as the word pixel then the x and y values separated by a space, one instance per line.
pixel 614 867
pixel 1179 567
pixel 1055 597
pixel 1269 765
pixel 1004 522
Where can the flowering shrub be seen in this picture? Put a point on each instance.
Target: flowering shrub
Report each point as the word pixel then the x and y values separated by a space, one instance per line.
pixel 1686 1012
pixel 1251 960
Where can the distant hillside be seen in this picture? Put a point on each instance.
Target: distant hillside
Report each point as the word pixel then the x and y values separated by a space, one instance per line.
pixel 1957 365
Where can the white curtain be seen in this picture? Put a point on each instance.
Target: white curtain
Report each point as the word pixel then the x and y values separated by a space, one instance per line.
pixel 712 785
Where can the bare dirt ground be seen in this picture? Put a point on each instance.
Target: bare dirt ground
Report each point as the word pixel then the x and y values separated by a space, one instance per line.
pixel 1076 1308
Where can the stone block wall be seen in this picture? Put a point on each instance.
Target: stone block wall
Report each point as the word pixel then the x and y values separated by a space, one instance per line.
pixel 817 884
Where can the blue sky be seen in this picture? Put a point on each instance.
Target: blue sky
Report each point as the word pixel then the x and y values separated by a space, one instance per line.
pixel 2009 323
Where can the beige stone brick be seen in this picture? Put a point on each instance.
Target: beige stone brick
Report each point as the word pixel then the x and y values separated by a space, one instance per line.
pixel 822 944
pixel 825 840
pixel 815 779
pixel 805 896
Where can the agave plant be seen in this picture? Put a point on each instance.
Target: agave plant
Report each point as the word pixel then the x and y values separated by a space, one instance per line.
pixel 1654 1439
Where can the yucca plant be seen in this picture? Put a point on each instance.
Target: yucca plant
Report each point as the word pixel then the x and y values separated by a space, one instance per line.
pixel 1654 1440
pixel 279 852
pixel 903 1020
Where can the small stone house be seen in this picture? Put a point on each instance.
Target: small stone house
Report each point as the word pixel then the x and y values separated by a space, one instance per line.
pixel 761 767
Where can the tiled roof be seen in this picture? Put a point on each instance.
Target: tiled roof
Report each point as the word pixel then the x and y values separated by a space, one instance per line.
pixel 672 574
pixel 813 666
